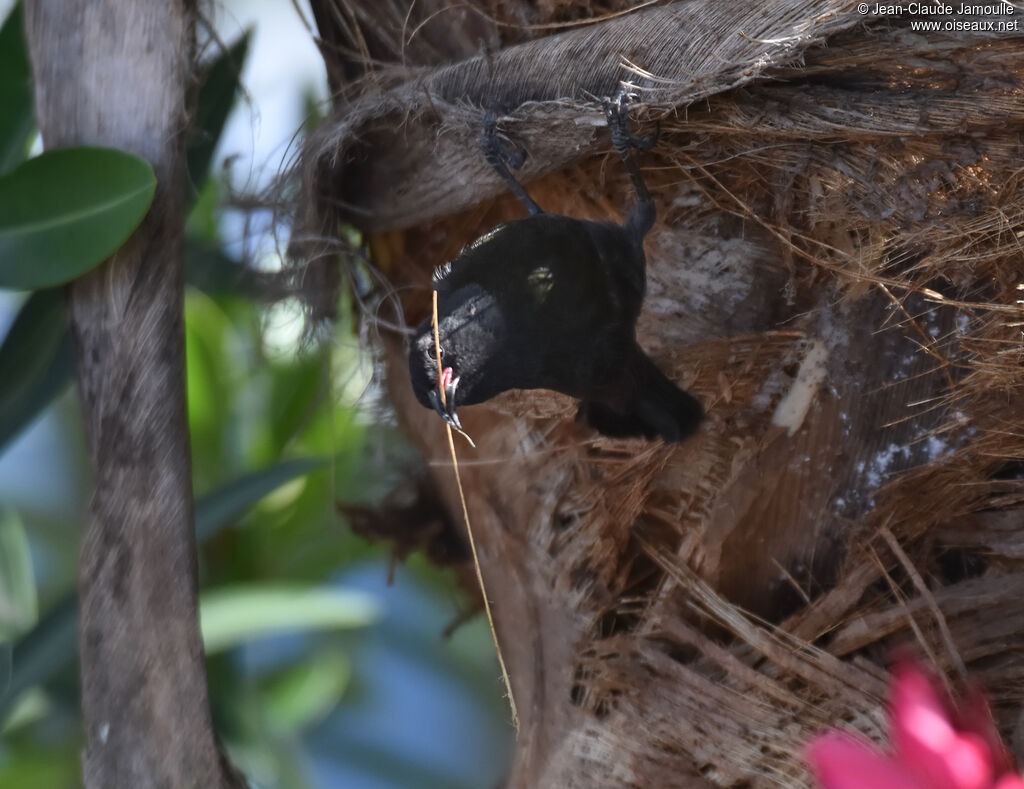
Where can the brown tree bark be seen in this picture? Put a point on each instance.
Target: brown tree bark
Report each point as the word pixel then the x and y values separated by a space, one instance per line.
pixel 833 272
pixel 113 73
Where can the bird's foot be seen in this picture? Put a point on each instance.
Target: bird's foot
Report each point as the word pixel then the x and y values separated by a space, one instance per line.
pixel 498 149
pixel 501 154
pixel 616 113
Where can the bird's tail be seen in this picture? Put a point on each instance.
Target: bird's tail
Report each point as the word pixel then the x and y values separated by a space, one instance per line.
pixel 658 408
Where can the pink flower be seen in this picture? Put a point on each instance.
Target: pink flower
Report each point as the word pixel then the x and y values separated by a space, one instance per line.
pixel 933 747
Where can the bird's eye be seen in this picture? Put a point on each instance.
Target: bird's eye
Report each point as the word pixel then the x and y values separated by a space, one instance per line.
pixel 432 352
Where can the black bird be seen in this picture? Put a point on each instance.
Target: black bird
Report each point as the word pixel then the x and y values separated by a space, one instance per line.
pixel 551 302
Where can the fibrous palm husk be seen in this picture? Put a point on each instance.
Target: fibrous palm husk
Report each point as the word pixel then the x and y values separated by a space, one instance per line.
pixel 837 271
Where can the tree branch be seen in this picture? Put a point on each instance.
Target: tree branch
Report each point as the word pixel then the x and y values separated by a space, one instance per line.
pixel 398 157
pixel 113 73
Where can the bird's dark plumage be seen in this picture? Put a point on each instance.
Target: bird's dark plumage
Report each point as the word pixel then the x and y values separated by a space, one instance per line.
pixel 551 302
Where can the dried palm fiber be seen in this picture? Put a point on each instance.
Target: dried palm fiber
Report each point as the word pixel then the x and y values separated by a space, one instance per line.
pixel 836 271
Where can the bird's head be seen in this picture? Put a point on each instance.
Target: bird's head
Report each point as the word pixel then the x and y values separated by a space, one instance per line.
pixel 469 332
pixel 433 389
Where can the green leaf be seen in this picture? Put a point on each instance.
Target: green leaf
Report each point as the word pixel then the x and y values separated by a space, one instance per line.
pixel 34 706
pixel 53 642
pixel 18 605
pixel 17 119
pixel 42 652
pixel 213 272
pixel 296 391
pixel 228 503
pixel 66 211
pixel 233 615
pixel 35 362
pixel 6 650
pixel 219 85
pixel 305 693
pixel 202 223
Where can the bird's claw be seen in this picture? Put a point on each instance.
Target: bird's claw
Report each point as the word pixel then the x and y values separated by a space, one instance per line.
pixel 501 154
pixel 498 149
pixel 616 113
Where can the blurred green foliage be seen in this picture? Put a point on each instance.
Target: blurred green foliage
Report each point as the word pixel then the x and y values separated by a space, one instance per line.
pixel 17 121
pixel 319 675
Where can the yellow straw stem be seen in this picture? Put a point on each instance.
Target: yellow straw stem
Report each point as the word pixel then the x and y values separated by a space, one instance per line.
pixel 469 529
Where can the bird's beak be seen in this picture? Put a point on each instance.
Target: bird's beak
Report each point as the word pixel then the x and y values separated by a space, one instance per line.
pixel 446 409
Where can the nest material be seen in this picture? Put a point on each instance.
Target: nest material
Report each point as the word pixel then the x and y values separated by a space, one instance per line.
pixel 838 273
